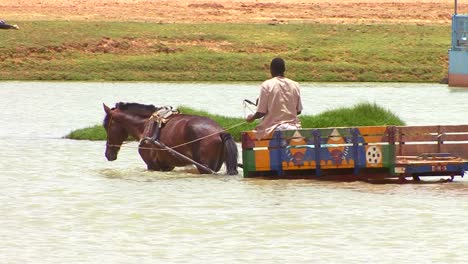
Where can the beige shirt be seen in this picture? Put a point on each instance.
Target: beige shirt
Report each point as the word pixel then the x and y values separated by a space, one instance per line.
pixel 280 101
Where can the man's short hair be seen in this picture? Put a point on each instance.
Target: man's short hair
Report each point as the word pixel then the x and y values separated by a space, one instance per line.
pixel 277 66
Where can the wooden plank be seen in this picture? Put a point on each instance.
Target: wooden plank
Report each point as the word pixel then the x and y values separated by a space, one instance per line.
pixel 458 150
pixel 416 130
pixel 306 134
pixel 419 161
pixel 248 161
pixel 262 160
pixel 262 143
pixel 341 166
pixel 339 131
pixel 372 130
pixel 454 137
pixel 375 139
pixel 415 150
pixel 453 128
pixel 417 138
pixel 250 141
pixel 308 165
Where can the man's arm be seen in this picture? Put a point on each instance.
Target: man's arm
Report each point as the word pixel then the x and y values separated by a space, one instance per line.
pixel 257 115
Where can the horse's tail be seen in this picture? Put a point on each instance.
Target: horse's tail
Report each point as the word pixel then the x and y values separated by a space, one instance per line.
pixel 230 153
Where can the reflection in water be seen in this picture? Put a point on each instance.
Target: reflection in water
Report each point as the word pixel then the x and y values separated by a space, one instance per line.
pixel 431 186
pixel 63 202
pixel 458 90
pixel 143 175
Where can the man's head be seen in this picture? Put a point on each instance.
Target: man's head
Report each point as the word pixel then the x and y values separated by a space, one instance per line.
pixel 277 67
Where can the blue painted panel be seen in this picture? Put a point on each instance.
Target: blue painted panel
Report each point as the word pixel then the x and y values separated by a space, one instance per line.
pixel 456 169
pixel 460 32
pixel 458 62
pixel 275 152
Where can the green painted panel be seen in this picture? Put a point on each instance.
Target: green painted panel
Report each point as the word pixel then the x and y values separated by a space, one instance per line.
pixel 248 160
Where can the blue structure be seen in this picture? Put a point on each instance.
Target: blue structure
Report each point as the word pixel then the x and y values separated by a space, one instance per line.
pixel 458 53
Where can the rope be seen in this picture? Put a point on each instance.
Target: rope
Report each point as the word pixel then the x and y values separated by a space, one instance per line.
pixel 246 106
pixel 186 143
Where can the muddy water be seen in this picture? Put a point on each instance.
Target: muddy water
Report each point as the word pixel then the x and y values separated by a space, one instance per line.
pixel 62 202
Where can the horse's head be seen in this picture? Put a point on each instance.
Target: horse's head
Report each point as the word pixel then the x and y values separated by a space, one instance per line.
pixel 123 120
pixel 116 133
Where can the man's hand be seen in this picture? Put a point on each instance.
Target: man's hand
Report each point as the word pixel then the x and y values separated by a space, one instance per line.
pixel 250 118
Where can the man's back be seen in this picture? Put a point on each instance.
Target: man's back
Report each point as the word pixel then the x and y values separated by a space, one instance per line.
pixel 280 100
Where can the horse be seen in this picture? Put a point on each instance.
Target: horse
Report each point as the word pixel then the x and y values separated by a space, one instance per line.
pixel 191 137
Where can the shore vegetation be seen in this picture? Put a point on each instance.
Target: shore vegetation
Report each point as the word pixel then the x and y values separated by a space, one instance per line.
pixel 144 51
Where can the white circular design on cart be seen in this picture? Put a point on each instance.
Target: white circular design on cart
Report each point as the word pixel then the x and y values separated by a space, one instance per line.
pixel 373 155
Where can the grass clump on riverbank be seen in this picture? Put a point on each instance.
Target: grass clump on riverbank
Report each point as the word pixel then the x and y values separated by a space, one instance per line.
pixel 132 51
pixel 363 114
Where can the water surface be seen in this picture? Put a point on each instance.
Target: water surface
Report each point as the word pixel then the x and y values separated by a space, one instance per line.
pixel 62 202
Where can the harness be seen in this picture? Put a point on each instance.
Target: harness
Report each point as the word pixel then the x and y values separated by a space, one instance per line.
pixel 159 118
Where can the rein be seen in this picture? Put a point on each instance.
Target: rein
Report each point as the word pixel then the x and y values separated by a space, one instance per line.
pixel 198 139
pixel 107 138
pixel 183 144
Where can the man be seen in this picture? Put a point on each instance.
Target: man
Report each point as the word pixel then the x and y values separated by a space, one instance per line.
pixel 4 25
pixel 279 102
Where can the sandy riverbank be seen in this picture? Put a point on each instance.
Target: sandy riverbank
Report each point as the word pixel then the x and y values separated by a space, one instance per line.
pixel 245 11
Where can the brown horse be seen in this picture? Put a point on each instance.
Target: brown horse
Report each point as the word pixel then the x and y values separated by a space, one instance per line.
pixel 198 138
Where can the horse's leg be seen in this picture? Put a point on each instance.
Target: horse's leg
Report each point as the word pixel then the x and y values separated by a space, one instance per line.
pixel 149 157
pixel 165 167
pixel 153 166
pixel 212 155
pixel 158 166
pixel 163 162
pixel 200 156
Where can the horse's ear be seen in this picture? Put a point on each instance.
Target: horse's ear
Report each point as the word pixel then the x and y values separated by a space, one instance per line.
pixel 106 108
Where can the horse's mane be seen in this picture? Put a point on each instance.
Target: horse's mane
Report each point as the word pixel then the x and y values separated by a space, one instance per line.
pixel 137 109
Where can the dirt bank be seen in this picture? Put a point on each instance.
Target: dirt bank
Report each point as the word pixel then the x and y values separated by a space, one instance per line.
pixel 245 11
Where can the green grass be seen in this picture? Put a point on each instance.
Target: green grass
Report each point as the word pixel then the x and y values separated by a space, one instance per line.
pixel 362 114
pixel 61 50
pixel 94 133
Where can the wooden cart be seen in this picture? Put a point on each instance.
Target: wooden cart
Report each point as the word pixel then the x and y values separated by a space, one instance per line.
pixel 358 153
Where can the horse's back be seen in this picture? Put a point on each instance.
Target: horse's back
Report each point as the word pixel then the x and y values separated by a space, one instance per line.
pixel 201 125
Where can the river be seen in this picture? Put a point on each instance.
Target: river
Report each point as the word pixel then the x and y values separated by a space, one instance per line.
pixel 62 202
